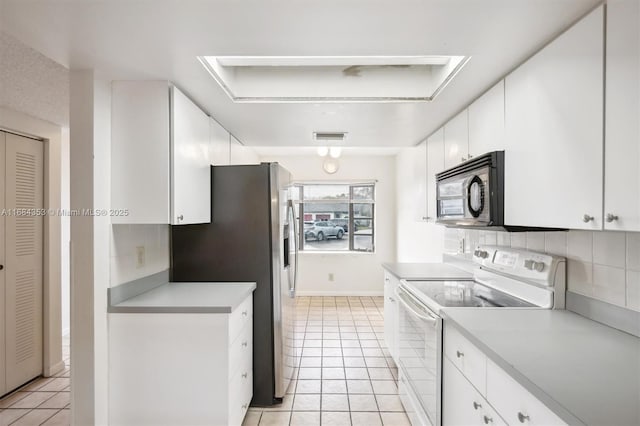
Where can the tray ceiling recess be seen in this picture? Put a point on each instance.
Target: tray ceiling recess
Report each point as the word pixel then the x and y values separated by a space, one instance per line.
pixel 314 79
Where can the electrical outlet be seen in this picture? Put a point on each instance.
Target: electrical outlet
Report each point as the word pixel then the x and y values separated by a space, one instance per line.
pixel 140 257
pixel 461 245
pixel 331 277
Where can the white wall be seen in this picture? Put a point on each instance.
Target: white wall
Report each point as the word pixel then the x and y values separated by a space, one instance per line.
pixel 354 273
pixel 125 239
pixel 418 240
pixel 601 265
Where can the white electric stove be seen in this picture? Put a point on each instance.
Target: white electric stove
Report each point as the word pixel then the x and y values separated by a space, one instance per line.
pixel 503 278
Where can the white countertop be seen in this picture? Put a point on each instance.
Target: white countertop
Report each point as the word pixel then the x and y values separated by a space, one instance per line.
pixel 582 370
pixel 427 271
pixel 198 297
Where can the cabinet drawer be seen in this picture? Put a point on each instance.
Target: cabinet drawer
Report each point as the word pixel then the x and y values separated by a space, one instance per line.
pixel 464 355
pixel 241 350
pixel 514 403
pixel 240 394
pixel 462 404
pixel 240 317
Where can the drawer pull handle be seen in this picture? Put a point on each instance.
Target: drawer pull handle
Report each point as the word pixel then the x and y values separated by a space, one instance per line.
pixel 244 344
pixel 476 405
pixel 522 417
pixel 244 375
pixel 244 406
pixel 459 354
pixel 487 420
pixel 244 313
pixel 391 299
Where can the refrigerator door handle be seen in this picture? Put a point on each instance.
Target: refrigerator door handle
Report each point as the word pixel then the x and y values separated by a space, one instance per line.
pixel 292 217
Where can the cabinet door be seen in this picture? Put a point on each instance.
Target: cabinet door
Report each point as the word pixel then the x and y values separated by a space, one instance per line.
pixel 190 171
pixel 554 119
pixel 435 164
pixel 622 137
pixel 140 163
pixel 461 404
pixel 391 315
pixel 220 144
pixel 456 140
pixel 486 122
pixel 419 181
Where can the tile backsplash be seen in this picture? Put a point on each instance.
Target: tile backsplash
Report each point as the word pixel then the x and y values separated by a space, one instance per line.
pixel 125 241
pixel 601 265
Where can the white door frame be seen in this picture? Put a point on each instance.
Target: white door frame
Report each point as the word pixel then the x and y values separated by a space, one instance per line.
pixel 52 137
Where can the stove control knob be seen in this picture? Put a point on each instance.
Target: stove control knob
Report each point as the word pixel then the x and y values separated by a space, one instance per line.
pixel 481 254
pixel 529 264
pixel 538 266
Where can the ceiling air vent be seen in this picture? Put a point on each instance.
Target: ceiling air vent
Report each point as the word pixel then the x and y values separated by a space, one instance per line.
pixel 329 136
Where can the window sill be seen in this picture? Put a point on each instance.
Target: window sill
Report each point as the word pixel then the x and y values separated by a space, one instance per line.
pixel 337 252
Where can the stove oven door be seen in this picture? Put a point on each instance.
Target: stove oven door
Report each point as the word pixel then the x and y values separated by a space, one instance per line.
pixel 419 353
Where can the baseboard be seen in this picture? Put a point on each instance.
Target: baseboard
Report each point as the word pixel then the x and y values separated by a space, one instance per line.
pixel 54 369
pixel 339 293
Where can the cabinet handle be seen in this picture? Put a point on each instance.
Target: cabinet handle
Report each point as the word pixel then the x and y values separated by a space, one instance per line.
pixel 476 405
pixel 244 344
pixel 611 217
pixel 1 267
pixel 391 299
pixel 180 218
pixel 244 406
pixel 586 218
pixel 522 417
pixel 244 375
pixel 463 159
pixel 459 354
pixel 487 420
pixel 244 313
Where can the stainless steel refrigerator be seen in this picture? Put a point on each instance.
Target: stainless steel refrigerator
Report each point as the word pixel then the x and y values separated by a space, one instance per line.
pixel 252 237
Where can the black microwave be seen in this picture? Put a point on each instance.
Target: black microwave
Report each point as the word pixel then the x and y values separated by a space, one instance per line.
pixel 471 194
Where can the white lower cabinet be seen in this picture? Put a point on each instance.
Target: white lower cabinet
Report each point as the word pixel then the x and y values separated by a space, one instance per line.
pixel 181 368
pixel 391 283
pixel 462 404
pixel 475 391
pixel 515 403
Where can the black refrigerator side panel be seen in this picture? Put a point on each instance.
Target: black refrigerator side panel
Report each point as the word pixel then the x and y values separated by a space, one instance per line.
pixel 236 246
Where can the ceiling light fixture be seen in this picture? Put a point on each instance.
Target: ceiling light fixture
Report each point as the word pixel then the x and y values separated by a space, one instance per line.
pixel 330 165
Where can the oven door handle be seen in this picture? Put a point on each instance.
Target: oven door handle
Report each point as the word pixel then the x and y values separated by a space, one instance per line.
pixel 407 304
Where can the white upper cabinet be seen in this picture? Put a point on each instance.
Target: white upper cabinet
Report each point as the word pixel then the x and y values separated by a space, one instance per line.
pixel 419 180
pixel 486 122
pixel 220 144
pixel 622 137
pixel 191 166
pixel 456 140
pixel 554 132
pixel 159 155
pixel 435 164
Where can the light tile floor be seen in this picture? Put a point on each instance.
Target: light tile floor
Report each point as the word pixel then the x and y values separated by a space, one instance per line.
pixel 346 375
pixel 43 401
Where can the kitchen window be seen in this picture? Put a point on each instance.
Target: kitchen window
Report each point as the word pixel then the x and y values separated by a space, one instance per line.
pixel 336 217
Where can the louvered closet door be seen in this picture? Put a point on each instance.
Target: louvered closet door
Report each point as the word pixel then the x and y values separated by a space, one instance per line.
pixel 3 271
pixel 24 184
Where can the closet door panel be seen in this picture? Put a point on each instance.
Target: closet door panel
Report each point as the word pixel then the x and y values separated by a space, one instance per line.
pixel 23 269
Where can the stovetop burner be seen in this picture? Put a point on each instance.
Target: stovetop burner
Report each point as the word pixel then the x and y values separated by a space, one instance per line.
pixel 465 294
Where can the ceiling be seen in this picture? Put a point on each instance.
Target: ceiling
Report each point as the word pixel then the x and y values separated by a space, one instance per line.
pixel 161 39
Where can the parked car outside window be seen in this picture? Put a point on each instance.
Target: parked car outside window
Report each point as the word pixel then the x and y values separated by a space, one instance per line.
pixel 322 230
